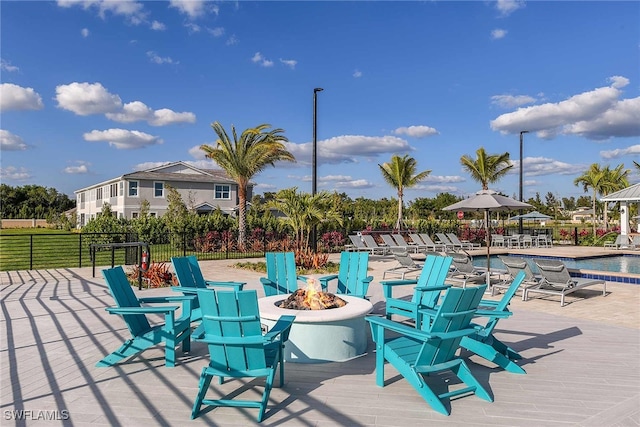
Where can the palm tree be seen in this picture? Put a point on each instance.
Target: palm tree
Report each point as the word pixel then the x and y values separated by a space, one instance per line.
pixel 304 211
pixel 614 180
pixel 242 158
pixel 596 179
pixel 486 168
pixel 637 165
pixel 400 173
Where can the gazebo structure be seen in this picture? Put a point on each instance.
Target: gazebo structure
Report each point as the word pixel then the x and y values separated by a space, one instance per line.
pixel 625 196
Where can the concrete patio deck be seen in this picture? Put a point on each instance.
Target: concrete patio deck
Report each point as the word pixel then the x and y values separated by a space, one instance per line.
pixel 582 363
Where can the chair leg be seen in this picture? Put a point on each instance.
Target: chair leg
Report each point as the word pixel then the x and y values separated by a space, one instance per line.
pixel 265 396
pixel 463 372
pixel 129 348
pixel 203 386
pixel 489 353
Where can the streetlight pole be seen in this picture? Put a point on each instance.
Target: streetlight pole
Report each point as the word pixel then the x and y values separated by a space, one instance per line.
pixel 522 132
pixel 314 162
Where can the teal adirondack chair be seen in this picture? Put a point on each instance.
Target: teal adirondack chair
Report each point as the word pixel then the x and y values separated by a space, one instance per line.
pixel 237 346
pixel 429 285
pixel 483 342
pixel 282 277
pixel 352 276
pixel 416 353
pixel 190 278
pixel 143 336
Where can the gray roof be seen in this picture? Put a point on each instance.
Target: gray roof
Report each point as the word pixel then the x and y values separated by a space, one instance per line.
pixel 629 194
pixel 211 176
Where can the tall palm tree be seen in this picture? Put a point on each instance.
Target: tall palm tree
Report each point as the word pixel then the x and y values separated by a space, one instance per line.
pixel 400 173
pixel 614 180
pixel 242 158
pixel 596 179
pixel 486 168
pixel 637 165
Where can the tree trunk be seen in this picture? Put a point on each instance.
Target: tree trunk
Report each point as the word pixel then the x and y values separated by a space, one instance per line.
pixel 242 217
pixel 594 213
pixel 399 222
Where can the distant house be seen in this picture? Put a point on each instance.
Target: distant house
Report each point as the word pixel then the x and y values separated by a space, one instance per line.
pixel 204 190
pixel 581 214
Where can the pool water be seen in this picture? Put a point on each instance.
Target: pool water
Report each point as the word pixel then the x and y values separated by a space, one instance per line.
pixel 618 263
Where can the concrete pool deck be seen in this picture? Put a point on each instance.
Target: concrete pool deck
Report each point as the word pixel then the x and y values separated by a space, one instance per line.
pixel 582 363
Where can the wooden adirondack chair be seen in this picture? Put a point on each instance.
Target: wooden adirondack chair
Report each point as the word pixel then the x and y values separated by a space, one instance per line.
pixel 352 277
pixel 429 285
pixel 282 277
pixel 143 336
pixel 483 342
pixel 237 347
pixel 190 278
pixel 416 353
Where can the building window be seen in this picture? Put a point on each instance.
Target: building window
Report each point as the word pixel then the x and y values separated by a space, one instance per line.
pixel 158 189
pixel 223 192
pixel 153 214
pixel 99 193
pixel 133 188
pixel 113 190
pixel 134 215
pixel 121 188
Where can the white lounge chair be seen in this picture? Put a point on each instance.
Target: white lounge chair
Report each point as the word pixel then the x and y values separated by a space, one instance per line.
pixel 406 264
pixel 371 243
pixel 400 241
pixel 388 240
pixel 556 280
pixel 436 247
pixel 357 245
pixel 621 242
pixel 514 266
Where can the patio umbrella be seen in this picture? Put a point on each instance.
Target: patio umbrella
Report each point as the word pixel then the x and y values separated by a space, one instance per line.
pixel 487 201
pixel 534 216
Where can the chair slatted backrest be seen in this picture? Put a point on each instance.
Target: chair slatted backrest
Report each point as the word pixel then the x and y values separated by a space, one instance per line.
pixel 400 240
pixel 281 270
pixel 454 239
pixel 455 313
pixel 388 240
pixel 553 271
pixel 188 272
pixel 416 239
pixel 231 321
pixel 123 294
pixel 433 273
pixel 445 240
pixel 462 263
pixel 354 268
pixel 357 242
pixel 515 265
pixel 503 304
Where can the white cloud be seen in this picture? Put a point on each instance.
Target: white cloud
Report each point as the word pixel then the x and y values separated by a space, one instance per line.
pixel 132 11
pixel 87 98
pixel 139 111
pixel 535 166
pixel 18 98
pixel 510 101
pixel 357 74
pixel 434 188
pixel 191 8
pixel 597 114
pixel 291 63
pixel 6 66
pixel 216 32
pixel 444 178
pixel 193 28
pixel 197 153
pixel 11 142
pixel 507 7
pixel 79 169
pixel 158 26
pixel 498 33
pixel 416 131
pixel 157 59
pixel 259 59
pixel 349 148
pixel 164 116
pixel 619 152
pixel 232 41
pixel 122 139
pixel 14 174
pixel 84 32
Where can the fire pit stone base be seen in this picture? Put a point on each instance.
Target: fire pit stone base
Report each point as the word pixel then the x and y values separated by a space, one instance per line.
pixel 332 335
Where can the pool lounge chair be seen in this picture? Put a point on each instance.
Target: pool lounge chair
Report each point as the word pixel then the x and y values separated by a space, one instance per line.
pixel 514 266
pixel 431 245
pixel 375 248
pixel 357 245
pixel 635 242
pixel 464 244
pixel 621 242
pixel 448 244
pixel 406 264
pixel 464 271
pixel 391 243
pixel 401 241
pixel 556 280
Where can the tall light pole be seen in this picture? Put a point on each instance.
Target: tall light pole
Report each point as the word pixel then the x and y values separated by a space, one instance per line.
pixel 314 161
pixel 522 132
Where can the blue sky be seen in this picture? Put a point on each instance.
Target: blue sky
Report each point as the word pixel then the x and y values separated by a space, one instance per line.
pixel 91 90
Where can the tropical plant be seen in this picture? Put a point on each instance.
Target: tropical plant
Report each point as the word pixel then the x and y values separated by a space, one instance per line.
pixel 242 158
pixel 486 168
pixel 400 173
pixel 593 178
pixel 615 180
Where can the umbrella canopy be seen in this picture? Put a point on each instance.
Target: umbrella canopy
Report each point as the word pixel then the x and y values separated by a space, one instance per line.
pixel 487 201
pixel 535 216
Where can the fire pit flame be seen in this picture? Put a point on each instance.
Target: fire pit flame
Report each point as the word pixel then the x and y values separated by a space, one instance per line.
pixel 312 298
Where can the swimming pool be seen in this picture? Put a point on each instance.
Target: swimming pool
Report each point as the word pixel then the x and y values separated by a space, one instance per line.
pixel 617 264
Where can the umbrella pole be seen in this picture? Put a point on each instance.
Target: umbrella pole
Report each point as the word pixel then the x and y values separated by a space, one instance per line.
pixel 488 240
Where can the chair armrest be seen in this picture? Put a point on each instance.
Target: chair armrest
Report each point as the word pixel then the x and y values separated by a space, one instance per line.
pixel 185 290
pixel 493 314
pixel 432 288
pixel 324 281
pixel 176 298
pixel 388 285
pixel 142 310
pixel 237 286
pixel 281 327
pixel 367 279
pixel 401 328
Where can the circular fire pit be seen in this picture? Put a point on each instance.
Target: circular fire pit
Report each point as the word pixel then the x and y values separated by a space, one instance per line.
pixel 331 335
